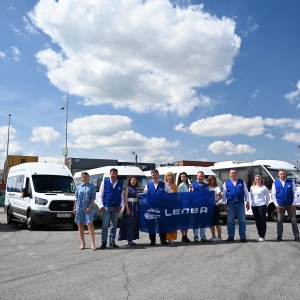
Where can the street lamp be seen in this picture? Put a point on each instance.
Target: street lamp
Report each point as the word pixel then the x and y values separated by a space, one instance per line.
pixel 65 150
pixel 135 156
pixel 8 137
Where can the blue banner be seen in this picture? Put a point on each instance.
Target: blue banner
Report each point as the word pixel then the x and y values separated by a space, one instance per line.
pixel 166 212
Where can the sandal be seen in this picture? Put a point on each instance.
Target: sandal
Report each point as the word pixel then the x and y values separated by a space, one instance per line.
pixel 82 247
pixel 94 247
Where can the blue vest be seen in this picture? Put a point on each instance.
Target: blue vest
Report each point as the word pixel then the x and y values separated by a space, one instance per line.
pixel 235 193
pixel 284 194
pixel 112 196
pixel 152 190
pixel 200 188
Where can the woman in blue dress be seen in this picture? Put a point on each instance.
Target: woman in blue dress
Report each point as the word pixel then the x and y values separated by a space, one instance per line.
pixel 129 228
pixel 84 209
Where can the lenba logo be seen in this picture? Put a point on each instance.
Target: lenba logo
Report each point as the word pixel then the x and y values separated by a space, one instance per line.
pixel 193 210
pixel 152 213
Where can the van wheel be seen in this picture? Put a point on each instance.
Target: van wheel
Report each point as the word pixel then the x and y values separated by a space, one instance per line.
pixel 9 216
pixel 30 223
pixel 273 214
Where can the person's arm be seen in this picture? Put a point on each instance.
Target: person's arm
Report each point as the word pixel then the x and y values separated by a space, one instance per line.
pixel 101 194
pixel 92 199
pixel 246 193
pixel 267 195
pixel 295 194
pixel 224 194
pixel 273 194
pixel 126 202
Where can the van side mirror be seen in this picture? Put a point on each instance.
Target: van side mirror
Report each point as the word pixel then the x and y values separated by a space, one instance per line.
pixel 25 193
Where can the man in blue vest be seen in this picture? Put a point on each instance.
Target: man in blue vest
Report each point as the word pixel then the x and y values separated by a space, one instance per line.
pixel 153 187
pixel 235 193
pixel 200 186
pixel 111 196
pixel 284 194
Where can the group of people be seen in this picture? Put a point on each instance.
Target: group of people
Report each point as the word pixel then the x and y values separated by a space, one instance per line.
pixel 113 197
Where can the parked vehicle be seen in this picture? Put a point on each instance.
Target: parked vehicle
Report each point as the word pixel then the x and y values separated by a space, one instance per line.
pixel 99 174
pixel 268 170
pixel 40 193
pixel 192 176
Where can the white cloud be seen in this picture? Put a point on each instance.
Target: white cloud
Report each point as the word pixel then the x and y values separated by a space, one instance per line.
pixel 229 148
pixel 293 137
pixel 16 53
pixel 229 81
pixel 114 134
pixel 227 124
pixel 110 55
pixel 50 159
pixel 2 54
pixel 44 134
pixel 180 127
pixel 294 95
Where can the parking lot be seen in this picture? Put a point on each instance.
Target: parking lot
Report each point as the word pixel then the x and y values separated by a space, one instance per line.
pixel 47 264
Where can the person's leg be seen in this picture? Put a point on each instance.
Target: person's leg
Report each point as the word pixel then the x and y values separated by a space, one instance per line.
pixel 262 210
pixel 256 219
pixel 231 212
pixel 92 234
pixel 213 232
pixel 241 215
pixel 292 217
pixel 202 233
pixel 280 218
pixel 105 223
pixel 81 234
pixel 114 215
pixel 152 237
pixel 219 230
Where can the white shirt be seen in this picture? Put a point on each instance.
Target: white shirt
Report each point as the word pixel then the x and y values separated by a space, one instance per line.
pixel 217 190
pixel 273 193
pixel 101 194
pixel 259 195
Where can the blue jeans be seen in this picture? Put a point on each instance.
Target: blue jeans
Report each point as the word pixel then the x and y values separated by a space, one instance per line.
pixel 110 214
pixel 202 232
pixel 236 209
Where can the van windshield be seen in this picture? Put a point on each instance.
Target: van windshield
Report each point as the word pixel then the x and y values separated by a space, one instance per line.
pixel 53 184
pixel 290 174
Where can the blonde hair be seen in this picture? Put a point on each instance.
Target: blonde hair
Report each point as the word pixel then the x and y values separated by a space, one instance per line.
pixel 166 175
pixel 262 180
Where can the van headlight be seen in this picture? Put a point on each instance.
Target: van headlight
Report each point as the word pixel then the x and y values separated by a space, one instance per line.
pixel 40 201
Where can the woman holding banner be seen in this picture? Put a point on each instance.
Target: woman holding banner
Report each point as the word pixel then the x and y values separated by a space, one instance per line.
pixel 170 181
pixel 183 186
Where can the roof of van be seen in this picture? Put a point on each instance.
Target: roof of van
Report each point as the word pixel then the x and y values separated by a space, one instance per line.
pixel 42 168
pixel 122 170
pixel 190 170
pixel 273 164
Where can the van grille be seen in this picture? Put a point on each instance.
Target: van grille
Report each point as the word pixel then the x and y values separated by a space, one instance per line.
pixel 61 205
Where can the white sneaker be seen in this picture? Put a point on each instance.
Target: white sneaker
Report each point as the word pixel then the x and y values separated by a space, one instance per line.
pixel 171 241
pixel 212 238
pixel 217 239
pixel 260 239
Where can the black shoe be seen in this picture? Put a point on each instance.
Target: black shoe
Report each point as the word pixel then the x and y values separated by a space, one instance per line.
pixel 113 245
pixel 230 239
pixel 152 243
pixel 185 239
pixel 131 244
pixel 297 238
pixel 103 246
pixel 243 240
pixel 164 242
pixel 279 239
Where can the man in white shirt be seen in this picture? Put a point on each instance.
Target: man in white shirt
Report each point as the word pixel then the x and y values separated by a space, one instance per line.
pixel 284 194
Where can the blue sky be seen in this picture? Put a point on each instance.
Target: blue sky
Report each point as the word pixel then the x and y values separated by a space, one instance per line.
pixel 180 80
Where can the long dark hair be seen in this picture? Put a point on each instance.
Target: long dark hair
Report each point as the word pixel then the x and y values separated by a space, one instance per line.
pixel 180 181
pixel 129 181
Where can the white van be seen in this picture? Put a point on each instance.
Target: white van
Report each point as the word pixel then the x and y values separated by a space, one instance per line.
pixel 40 193
pixel 192 176
pixel 267 169
pixel 99 174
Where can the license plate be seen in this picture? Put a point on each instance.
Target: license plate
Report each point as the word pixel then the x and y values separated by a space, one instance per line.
pixel 64 215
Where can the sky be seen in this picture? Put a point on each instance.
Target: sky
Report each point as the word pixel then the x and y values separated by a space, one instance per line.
pixel 168 80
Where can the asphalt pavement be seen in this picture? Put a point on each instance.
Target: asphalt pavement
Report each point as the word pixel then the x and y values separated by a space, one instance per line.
pixel 47 264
